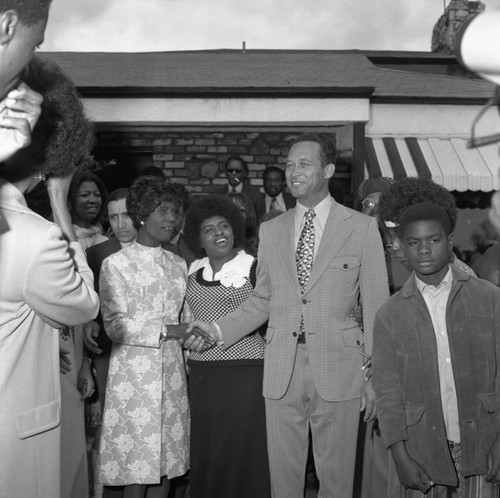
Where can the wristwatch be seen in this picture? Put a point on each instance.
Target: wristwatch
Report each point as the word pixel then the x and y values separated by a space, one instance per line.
pixel 163 333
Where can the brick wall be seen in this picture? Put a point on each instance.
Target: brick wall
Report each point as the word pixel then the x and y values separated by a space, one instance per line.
pixel 196 158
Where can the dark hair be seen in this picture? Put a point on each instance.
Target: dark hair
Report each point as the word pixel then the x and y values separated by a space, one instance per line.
pixel 273 169
pixel 426 211
pixel 146 194
pixel 88 176
pixel 118 194
pixel 207 207
pixel 328 150
pixel 29 11
pixel 251 221
pixel 63 135
pixel 183 194
pixel 152 171
pixel 405 192
pixel 239 159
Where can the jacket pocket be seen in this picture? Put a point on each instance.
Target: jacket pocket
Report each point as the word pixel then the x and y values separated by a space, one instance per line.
pixel 37 420
pixel 345 263
pixel 486 421
pixel 353 337
pixel 415 428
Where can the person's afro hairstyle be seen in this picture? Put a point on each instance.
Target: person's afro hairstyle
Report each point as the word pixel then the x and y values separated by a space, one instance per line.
pixel 29 11
pixel 426 211
pixel 206 207
pixel 146 194
pixel 63 136
pixel 405 192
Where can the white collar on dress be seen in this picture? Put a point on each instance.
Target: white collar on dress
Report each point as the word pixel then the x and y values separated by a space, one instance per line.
pixel 232 274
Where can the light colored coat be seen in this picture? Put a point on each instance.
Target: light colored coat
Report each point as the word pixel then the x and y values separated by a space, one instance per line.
pixel 348 266
pixel 145 428
pixel 44 283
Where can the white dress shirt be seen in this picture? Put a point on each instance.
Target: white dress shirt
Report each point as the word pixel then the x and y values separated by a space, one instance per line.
pixel 280 202
pixel 436 299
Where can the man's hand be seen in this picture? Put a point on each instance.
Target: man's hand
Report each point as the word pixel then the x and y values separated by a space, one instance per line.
pixel 90 334
pixel 19 112
pixel 368 401
pixel 410 473
pixel 196 340
pixel 64 361
pixel 494 462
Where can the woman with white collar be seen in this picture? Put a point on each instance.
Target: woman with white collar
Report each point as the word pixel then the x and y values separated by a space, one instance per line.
pixel 228 429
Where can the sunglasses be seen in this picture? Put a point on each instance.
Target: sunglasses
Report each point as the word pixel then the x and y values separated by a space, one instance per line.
pixel 234 171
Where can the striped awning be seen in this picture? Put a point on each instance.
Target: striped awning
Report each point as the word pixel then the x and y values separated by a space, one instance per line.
pixel 446 160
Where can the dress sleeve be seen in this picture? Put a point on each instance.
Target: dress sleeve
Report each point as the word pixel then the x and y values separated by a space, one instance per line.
pixel 125 320
pixel 59 285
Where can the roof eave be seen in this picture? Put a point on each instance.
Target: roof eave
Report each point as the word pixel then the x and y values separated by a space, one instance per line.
pixel 429 99
pixel 218 92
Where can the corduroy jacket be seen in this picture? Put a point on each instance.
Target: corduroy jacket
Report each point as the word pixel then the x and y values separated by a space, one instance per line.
pixel 406 376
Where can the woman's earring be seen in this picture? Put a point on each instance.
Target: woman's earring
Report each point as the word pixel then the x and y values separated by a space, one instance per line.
pixel 142 222
pixel 40 178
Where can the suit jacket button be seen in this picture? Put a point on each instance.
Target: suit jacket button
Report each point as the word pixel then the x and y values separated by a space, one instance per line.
pixel 304 301
pixel 295 334
pixel 346 266
pixel 358 343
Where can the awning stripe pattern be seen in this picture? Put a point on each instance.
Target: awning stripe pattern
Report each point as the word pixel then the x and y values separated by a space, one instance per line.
pixel 446 160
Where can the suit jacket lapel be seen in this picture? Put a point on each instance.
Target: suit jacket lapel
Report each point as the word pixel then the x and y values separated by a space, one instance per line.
pixel 286 245
pixel 335 234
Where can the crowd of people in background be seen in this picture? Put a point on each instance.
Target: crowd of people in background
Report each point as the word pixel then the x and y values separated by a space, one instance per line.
pixel 202 346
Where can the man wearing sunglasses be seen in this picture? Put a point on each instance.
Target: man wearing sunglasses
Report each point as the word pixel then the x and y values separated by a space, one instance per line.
pixel 236 170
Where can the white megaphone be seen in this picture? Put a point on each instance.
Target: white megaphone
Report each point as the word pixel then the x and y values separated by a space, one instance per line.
pixel 478 45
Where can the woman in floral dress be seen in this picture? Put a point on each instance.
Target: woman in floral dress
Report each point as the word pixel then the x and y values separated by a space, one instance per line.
pixel 145 431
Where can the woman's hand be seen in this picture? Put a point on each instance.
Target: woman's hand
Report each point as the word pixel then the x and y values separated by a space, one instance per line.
pixel 85 382
pixel 90 334
pixel 180 333
pixel 64 361
pixel 19 112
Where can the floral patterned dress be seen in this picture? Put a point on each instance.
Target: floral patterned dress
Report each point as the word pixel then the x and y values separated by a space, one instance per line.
pixel 145 428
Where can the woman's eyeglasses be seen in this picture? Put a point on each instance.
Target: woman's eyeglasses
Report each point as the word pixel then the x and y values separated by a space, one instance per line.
pixel 369 203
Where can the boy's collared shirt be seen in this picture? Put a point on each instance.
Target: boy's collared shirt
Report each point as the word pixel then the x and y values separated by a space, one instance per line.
pixel 436 299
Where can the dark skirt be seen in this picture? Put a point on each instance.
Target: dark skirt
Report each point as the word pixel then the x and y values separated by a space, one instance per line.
pixel 228 430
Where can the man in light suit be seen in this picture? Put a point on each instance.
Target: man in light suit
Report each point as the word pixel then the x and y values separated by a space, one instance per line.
pixel 314 349
pixel 275 197
pixel 236 169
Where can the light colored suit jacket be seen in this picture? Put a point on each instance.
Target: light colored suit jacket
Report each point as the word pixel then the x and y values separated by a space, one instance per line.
pixel 44 283
pixel 349 266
